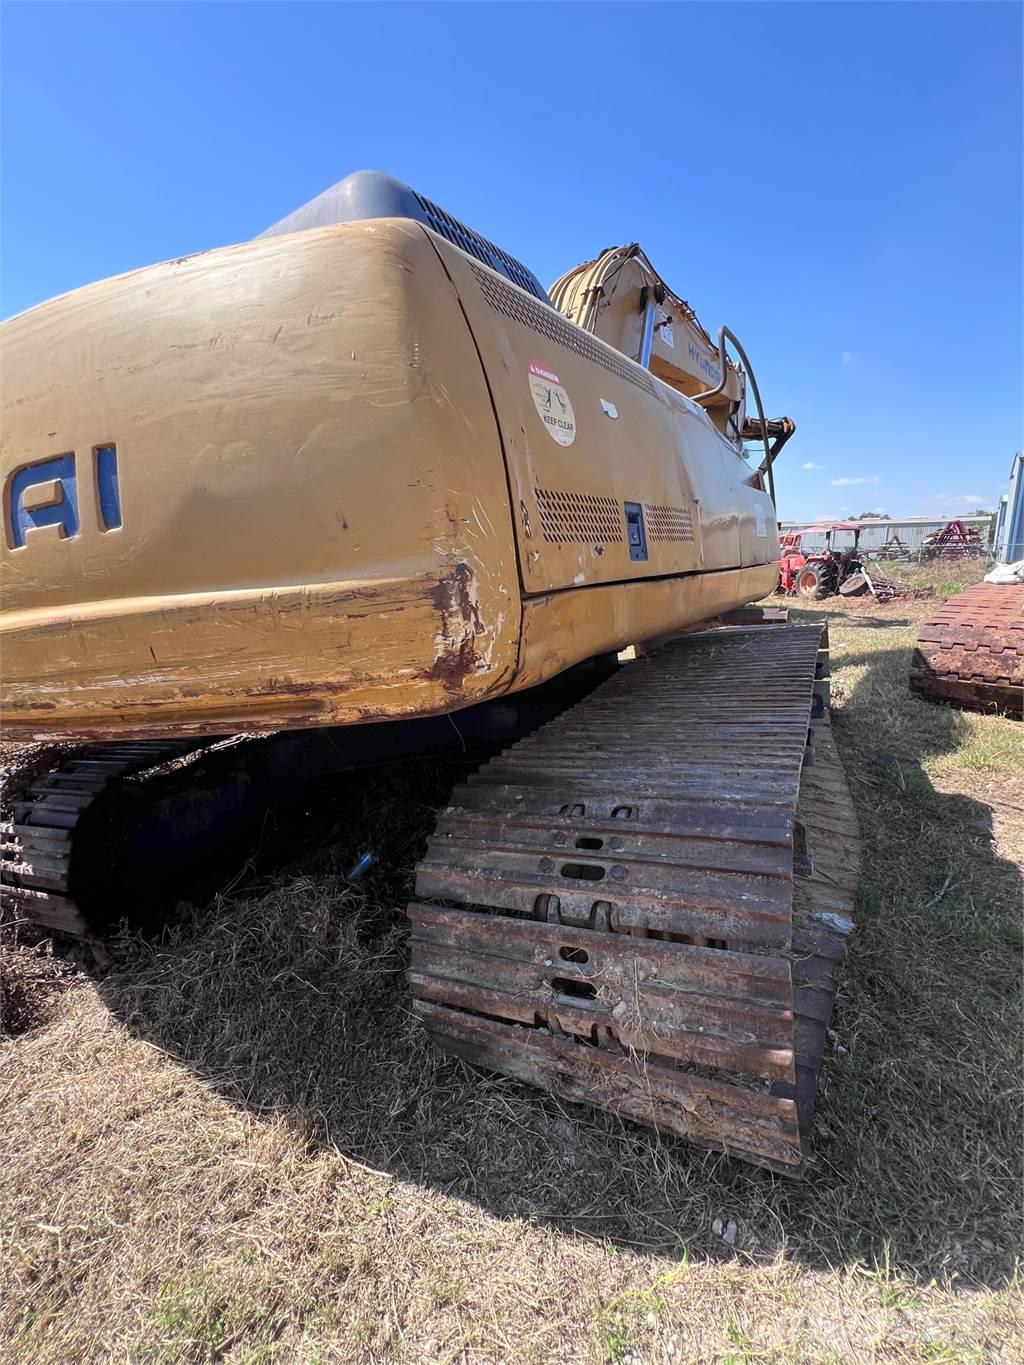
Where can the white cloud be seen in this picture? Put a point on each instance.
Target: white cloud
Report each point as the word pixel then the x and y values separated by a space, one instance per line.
pixel 951 501
pixel 811 465
pixel 861 478
pixel 848 357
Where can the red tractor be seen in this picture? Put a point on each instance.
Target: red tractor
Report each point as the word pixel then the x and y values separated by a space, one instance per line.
pixel 822 572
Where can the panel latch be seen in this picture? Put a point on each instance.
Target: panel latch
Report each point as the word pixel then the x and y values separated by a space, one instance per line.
pixel 635 533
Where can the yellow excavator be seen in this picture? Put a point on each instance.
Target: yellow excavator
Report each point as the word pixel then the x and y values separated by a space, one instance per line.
pixel 363 477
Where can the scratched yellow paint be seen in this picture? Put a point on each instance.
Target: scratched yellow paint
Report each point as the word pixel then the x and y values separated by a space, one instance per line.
pixel 335 494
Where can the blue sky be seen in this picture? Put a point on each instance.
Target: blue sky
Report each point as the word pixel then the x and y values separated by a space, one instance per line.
pixel 841 183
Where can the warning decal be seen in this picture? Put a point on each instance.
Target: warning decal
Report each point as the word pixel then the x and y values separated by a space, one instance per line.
pixel 552 403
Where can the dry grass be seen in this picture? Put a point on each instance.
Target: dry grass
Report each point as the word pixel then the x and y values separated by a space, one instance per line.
pixel 238 1147
pixel 944 577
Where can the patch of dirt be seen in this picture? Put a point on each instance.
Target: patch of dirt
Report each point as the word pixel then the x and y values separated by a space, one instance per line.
pixel 30 981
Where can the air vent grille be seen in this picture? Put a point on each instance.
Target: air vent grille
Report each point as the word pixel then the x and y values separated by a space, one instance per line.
pixel 579 518
pixel 474 245
pixel 555 328
pixel 669 523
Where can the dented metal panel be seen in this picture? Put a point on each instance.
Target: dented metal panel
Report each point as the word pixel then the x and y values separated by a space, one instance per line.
pixel 315 520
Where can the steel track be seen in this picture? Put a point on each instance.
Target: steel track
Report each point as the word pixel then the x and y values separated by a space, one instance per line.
pixel 39 821
pixel 972 650
pixel 607 909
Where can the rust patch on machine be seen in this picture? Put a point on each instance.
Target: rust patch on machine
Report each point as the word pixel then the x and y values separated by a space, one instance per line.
pixel 455 600
pixel 399 648
pixel 971 652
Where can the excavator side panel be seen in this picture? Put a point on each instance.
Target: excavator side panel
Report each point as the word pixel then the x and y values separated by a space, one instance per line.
pixel 595 445
pixel 255 488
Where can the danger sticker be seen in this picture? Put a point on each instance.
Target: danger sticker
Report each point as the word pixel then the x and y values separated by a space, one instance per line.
pixel 552 403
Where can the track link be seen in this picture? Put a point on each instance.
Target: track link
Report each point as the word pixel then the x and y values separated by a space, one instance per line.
pixel 607 909
pixel 39 821
pixel 971 652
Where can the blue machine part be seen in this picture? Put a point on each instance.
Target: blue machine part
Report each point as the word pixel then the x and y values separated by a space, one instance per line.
pixel 1009 545
pixel 61 510
pixel 372 194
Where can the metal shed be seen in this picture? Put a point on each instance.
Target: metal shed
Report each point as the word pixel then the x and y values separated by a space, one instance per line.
pixel 912 531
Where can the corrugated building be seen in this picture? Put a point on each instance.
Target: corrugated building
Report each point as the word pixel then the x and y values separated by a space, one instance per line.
pixel 912 531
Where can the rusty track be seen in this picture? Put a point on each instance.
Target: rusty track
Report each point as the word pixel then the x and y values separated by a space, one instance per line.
pixel 617 920
pixel 972 650
pixel 39 820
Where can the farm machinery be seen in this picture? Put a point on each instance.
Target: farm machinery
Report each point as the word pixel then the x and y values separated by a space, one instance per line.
pixel 955 540
pixel 819 573
pixel 823 573
pixel 362 489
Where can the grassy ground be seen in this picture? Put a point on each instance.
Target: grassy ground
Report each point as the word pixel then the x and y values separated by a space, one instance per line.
pixel 238 1147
